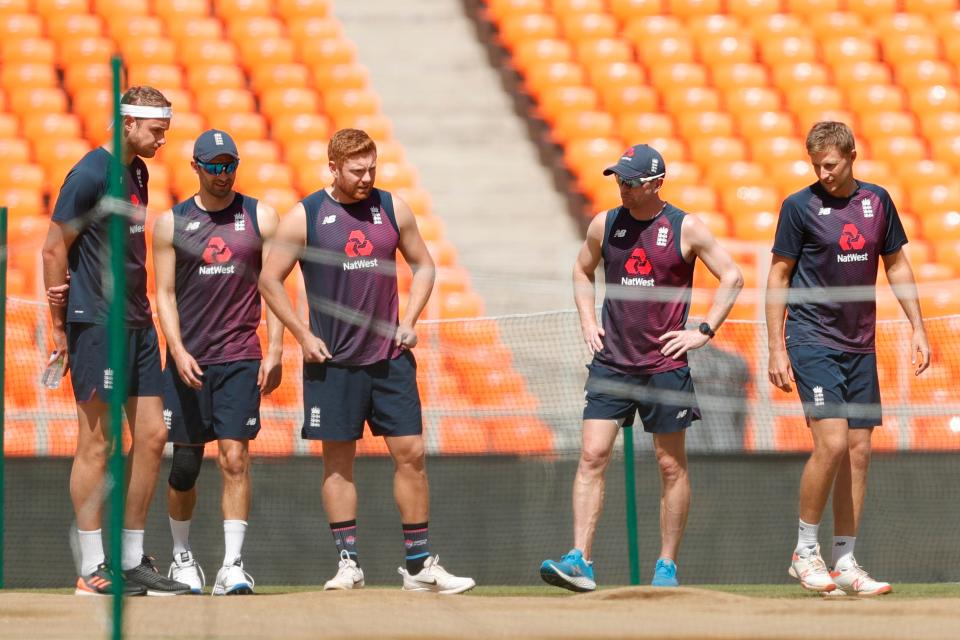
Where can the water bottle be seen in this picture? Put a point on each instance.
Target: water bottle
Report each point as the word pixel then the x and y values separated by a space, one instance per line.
pixel 54 372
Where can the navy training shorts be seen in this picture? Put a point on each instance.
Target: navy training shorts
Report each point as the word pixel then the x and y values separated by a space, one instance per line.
pixel 90 372
pixel 837 384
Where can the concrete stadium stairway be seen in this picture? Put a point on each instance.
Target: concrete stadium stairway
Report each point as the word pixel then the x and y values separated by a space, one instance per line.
pixel 451 113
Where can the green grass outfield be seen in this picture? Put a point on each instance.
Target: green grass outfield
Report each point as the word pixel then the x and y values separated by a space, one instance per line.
pixel 901 591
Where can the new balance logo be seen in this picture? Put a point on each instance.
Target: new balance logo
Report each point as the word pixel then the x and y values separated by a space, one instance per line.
pixel 867 208
pixel 682 414
pixel 168 418
pixel 239 222
pixel 818 396
pixel 251 422
pixel 620 233
pixel 824 211
pixel 108 378
pixel 329 219
pixel 314 416
pixel 662 233
pixel 192 226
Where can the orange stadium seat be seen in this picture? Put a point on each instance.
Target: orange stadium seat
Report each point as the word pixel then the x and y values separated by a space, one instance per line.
pixel 186 29
pixel 707 150
pixel 837 22
pixel 305 29
pixel 563 7
pixel 341 76
pixel 271 77
pixel 78 77
pixel 541 50
pixel 776 48
pixel 624 9
pixel 61 27
pixel 898 149
pixel 14 6
pixel 725 49
pixel 752 8
pixel 553 74
pixel 277 102
pixel 207 77
pixel 666 49
pixel 750 199
pixel 603 50
pixel 22 201
pixel 671 76
pixel 850 47
pixel 807 116
pixel 130 27
pixel 243 126
pixel 925 100
pixel 28 76
pixel 161 76
pixel 84 50
pixel 583 124
pixel 49 8
pixel 396 175
pixel 911 47
pixel 610 74
pixel 169 9
pixel 243 29
pixel 644 124
pixel 822 97
pixel 25 101
pixel 562 99
pixel 514 30
pixel 148 50
pixel 940 124
pixel 915 73
pixel 303 126
pixel 9 126
pixel 590 156
pixel 777 149
pixel 787 75
pixel 691 99
pixel 717 24
pixel 293 10
pixel 872 98
pixel 868 9
pixel 111 8
pixel 266 51
pixel 210 103
pixel 27 50
pixel 890 24
pixel 766 123
pixel 587 26
pixel 203 52
pixel 782 25
pixel 789 177
pixel 738 172
pixel 689 8
pixel 754 225
pixel 227 9
pixel 51 125
pixel 691 197
pixel 929 200
pixel 693 124
pixel 497 10
pixel 752 100
pixel 21 176
pixel 350 101
pixel 726 76
pixel 325 52
pixel 20 25
pixel 887 123
pixel 861 72
pixel 649 26
pixel 377 125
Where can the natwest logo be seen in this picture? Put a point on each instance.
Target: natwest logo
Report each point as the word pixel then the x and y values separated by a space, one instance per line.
pixel 217 251
pixel 358 245
pixel 851 239
pixel 637 263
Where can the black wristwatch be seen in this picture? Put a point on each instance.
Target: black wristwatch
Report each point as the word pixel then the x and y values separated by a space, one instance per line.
pixel 706 330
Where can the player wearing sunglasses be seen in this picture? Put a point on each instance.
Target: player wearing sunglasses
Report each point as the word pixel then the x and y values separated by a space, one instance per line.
pixel 207 253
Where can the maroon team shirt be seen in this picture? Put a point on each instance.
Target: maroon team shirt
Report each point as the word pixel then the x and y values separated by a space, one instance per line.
pixel 648 290
pixel 219 256
pixel 350 275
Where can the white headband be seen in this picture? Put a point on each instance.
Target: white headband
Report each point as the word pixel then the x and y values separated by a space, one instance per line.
pixel 143 111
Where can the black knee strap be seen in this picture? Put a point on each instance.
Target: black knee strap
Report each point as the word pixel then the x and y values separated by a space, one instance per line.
pixel 186 467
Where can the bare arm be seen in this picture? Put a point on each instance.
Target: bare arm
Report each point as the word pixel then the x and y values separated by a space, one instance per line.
pixel 285 249
pixel 60 238
pixel 900 276
pixel 415 252
pixel 271 372
pixel 164 267
pixel 778 282
pixel 584 292
pixel 696 238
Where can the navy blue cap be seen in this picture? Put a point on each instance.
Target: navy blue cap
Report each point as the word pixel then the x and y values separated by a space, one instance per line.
pixel 639 161
pixel 213 143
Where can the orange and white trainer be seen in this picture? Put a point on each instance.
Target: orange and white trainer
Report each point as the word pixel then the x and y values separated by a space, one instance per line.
pixel 808 567
pixel 853 580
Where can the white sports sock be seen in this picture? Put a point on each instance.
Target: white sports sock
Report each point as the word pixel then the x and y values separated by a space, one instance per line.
pixel 233 533
pixel 842 549
pixel 180 530
pixel 132 540
pixel 807 535
pixel 91 551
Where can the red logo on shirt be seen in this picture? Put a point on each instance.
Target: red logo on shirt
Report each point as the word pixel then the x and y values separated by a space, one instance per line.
pixel 358 245
pixel 851 239
pixel 134 200
pixel 637 263
pixel 216 251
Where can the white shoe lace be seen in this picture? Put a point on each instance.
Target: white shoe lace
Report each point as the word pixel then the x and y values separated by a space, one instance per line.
pixel 177 568
pixel 814 563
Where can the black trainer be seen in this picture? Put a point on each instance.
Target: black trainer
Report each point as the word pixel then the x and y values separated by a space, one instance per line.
pixel 100 583
pixel 156 584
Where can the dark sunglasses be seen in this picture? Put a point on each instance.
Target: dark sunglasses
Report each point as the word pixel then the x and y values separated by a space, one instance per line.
pixel 636 182
pixel 216 168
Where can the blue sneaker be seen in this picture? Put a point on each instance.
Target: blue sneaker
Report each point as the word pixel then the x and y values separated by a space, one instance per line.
pixel 570 572
pixel 665 575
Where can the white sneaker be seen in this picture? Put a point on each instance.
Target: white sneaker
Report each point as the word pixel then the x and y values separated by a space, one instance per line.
pixel 435 578
pixel 185 569
pixel 232 580
pixel 349 575
pixel 808 567
pixel 852 580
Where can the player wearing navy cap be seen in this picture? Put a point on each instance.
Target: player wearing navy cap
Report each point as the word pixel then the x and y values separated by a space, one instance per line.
pixel 77 242
pixel 648 248
pixel 831 238
pixel 208 252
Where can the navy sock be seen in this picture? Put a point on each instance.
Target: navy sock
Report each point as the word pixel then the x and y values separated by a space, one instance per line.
pixel 416 546
pixel 345 537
